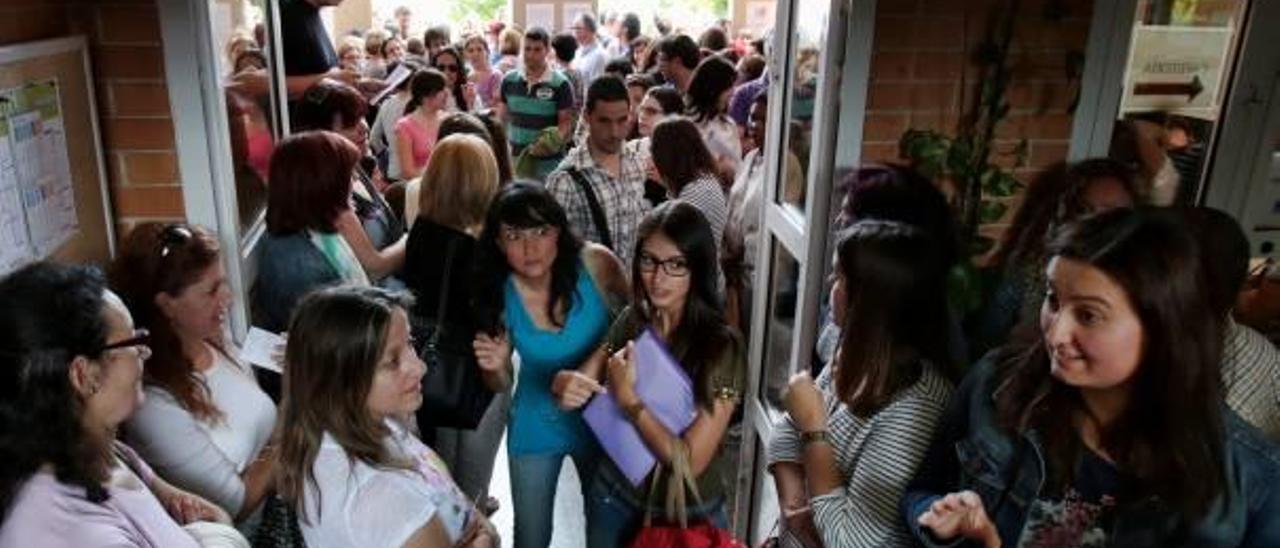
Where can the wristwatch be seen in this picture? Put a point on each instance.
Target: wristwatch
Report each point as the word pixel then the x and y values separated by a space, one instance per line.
pixel 816 436
pixel 634 410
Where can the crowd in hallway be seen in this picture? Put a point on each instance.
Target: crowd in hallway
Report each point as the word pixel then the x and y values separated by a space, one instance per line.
pixel 478 237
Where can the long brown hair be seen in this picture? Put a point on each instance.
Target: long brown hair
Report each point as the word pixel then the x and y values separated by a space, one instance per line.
pixel 895 312
pixel 336 339
pixel 1170 437
pixel 167 258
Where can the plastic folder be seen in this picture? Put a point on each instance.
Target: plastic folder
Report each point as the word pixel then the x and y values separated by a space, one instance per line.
pixel 667 393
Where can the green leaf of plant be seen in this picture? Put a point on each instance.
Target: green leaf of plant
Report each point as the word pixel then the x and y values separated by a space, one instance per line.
pixel 991 211
pixel 980 245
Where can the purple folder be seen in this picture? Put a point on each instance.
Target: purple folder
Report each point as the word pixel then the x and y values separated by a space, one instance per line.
pixel 667 394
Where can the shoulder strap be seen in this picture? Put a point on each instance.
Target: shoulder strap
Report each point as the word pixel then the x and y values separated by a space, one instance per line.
pixel 597 213
pixel 444 290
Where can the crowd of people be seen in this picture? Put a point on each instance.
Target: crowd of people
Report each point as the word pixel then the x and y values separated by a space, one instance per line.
pixel 531 204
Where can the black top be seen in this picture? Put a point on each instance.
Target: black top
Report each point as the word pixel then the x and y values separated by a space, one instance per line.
pixel 424 272
pixel 307 47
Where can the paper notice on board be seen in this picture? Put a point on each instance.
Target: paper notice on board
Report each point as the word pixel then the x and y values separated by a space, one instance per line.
pixel 15 246
pixel 42 169
pixel 540 15
pixel 1177 69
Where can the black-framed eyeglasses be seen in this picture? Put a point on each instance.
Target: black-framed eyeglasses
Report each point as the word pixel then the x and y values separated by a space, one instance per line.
pixel 447 68
pixel 676 267
pixel 172 237
pixel 140 339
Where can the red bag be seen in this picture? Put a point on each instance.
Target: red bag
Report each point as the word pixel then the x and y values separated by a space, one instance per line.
pixel 680 535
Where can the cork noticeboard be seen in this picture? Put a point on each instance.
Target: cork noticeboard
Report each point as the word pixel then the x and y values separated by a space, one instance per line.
pixel 54 202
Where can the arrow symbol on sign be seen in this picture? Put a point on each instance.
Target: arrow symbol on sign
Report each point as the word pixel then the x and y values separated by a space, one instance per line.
pixel 1190 89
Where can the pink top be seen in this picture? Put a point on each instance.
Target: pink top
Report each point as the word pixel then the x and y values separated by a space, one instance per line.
pixel 421 141
pixel 47 512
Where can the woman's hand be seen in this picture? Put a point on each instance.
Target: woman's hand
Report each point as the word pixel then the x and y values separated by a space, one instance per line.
pixel 805 404
pixel 960 514
pixel 799 521
pixel 622 376
pixel 469 96
pixel 492 353
pixel 573 389
pixel 186 508
pixel 480 533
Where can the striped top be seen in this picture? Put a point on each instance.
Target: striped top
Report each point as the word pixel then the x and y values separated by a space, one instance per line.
pixel 877 456
pixel 706 194
pixel 1251 378
pixel 533 106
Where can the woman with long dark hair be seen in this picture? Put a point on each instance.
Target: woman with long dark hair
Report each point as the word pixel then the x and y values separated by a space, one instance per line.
pixel 707 104
pixel 675 293
pixel 462 93
pixel 417 129
pixel 686 167
pixel 70 375
pixel 205 424
pixel 852 439
pixel 547 294
pixel 1106 426
pixel 348 464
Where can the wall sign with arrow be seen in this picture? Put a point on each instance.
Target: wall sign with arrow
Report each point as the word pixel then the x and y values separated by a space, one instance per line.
pixel 1177 69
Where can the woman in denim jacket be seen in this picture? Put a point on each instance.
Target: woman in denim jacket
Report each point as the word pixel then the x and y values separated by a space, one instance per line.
pixel 1107 426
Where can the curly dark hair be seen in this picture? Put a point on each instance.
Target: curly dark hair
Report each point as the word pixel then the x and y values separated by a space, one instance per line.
pixel 523 204
pixel 53 314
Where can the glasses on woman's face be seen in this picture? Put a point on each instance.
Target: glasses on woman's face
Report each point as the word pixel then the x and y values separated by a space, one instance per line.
pixel 514 235
pixel 676 267
pixel 447 68
pixel 173 237
pixel 138 341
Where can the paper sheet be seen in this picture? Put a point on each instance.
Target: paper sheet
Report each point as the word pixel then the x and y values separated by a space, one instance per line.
pixel 263 349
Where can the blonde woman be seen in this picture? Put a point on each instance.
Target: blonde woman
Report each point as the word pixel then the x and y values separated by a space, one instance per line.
pixel 452 200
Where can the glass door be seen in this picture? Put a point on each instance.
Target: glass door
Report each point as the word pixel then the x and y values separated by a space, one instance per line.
pixel 791 263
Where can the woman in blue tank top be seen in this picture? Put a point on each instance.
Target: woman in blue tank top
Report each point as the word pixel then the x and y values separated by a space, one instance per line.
pixel 549 295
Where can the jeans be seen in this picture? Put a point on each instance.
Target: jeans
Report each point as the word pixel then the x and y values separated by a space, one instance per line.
pixel 616 516
pixel 470 454
pixel 533 493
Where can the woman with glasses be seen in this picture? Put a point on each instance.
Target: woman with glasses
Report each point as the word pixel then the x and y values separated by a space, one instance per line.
pixel 417 128
pixel 675 294
pixel 205 424
pixel 71 374
pixel 547 294
pixel 462 93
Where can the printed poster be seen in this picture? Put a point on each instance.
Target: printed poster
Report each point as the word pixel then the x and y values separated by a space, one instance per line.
pixel 35 175
pixel 1177 69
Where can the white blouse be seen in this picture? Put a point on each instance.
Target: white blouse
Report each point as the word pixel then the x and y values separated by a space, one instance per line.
pixel 359 506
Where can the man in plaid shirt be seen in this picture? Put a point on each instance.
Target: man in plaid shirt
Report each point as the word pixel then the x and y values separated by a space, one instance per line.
pixel 613 169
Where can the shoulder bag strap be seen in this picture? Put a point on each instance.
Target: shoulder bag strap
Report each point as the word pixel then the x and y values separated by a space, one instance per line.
pixel 444 291
pixel 597 213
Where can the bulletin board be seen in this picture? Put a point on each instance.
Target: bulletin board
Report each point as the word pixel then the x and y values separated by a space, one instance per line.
pixel 53 190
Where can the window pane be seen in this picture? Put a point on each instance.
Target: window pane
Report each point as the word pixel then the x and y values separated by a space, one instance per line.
pixel 1175 87
pixel 780 325
pixel 810 29
pixel 244 67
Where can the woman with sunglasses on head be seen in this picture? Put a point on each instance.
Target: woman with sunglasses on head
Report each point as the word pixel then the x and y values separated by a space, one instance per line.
pixel 547 294
pixel 71 374
pixel 349 466
pixel 675 293
pixel 417 128
pixel 1103 424
pixel 852 438
pixel 462 93
pixel 205 424
pixel 372 229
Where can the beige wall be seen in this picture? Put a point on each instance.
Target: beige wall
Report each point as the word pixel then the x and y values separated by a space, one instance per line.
pixel 519 11
pixel 352 15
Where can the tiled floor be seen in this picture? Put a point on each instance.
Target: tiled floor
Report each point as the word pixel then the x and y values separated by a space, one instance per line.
pixel 569 525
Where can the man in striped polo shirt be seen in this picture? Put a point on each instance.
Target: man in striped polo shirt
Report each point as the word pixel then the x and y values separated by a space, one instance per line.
pixel 533 98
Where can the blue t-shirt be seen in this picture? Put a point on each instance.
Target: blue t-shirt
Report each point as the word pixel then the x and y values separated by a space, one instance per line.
pixel 537 425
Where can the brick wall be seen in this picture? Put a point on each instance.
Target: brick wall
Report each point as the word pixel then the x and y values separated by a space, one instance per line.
pixel 133 100
pixel 923 76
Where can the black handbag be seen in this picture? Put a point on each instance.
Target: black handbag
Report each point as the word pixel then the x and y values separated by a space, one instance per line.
pixel 453 392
